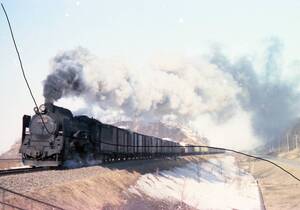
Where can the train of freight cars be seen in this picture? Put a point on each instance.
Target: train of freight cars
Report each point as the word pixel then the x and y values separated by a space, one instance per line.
pixel 53 136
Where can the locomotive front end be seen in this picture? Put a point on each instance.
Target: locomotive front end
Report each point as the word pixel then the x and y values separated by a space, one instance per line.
pixel 42 136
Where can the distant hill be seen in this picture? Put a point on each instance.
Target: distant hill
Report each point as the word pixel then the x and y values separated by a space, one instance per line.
pixel 13 152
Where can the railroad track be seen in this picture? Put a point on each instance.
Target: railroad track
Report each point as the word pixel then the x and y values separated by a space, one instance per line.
pixel 6 172
pixel 10 159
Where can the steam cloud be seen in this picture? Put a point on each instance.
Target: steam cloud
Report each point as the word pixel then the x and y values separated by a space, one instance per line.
pixel 272 100
pixel 66 78
pixel 230 102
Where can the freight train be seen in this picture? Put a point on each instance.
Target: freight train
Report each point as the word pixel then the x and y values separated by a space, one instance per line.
pixel 53 137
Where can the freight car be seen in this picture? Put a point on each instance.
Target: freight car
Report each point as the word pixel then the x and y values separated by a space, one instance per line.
pixel 53 136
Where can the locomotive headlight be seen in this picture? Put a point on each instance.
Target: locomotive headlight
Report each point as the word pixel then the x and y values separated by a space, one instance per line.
pixel 42 108
pixel 42 125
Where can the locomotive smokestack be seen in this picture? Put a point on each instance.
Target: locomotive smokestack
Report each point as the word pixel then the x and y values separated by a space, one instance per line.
pixel 49 107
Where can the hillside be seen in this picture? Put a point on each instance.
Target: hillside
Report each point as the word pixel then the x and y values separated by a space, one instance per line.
pixel 13 152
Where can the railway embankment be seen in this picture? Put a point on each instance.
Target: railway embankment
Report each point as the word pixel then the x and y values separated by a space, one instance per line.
pixel 185 183
pixel 217 183
pixel 93 187
pixel 279 190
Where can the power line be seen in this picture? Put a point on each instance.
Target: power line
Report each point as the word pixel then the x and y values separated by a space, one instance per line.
pixel 256 157
pixel 208 147
pixel 22 68
pixel 37 111
pixel 19 57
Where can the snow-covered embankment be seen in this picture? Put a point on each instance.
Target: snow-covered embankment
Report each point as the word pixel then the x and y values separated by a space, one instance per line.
pixel 214 184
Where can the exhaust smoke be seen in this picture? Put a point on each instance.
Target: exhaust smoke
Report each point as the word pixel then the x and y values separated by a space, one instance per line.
pixel 230 102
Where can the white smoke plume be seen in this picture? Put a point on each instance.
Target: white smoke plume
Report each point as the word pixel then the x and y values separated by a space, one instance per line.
pixel 226 101
pixel 272 100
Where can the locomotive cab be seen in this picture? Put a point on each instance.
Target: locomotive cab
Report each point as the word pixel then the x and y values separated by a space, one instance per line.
pixel 42 137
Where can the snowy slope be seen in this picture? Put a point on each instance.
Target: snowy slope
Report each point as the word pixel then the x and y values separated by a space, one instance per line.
pixel 217 184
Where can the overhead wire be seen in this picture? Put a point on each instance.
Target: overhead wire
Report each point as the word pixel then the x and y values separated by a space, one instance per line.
pixel 22 69
pixel 208 147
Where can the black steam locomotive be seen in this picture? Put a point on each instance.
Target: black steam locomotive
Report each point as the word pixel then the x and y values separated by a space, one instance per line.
pixel 53 136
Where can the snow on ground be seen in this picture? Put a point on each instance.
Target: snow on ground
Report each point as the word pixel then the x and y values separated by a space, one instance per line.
pixel 215 184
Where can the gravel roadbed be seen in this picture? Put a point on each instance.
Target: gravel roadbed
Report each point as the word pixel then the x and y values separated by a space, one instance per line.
pixel 27 182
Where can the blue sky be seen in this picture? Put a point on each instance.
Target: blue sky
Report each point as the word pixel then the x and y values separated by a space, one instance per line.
pixel 134 29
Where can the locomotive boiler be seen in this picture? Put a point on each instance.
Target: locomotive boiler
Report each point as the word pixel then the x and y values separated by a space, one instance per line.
pixel 42 136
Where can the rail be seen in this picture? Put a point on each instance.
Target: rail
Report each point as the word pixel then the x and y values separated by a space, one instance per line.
pixel 6 163
pixel 21 171
pixel 10 159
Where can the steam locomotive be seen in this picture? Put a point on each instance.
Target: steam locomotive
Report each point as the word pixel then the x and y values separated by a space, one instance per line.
pixel 53 137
